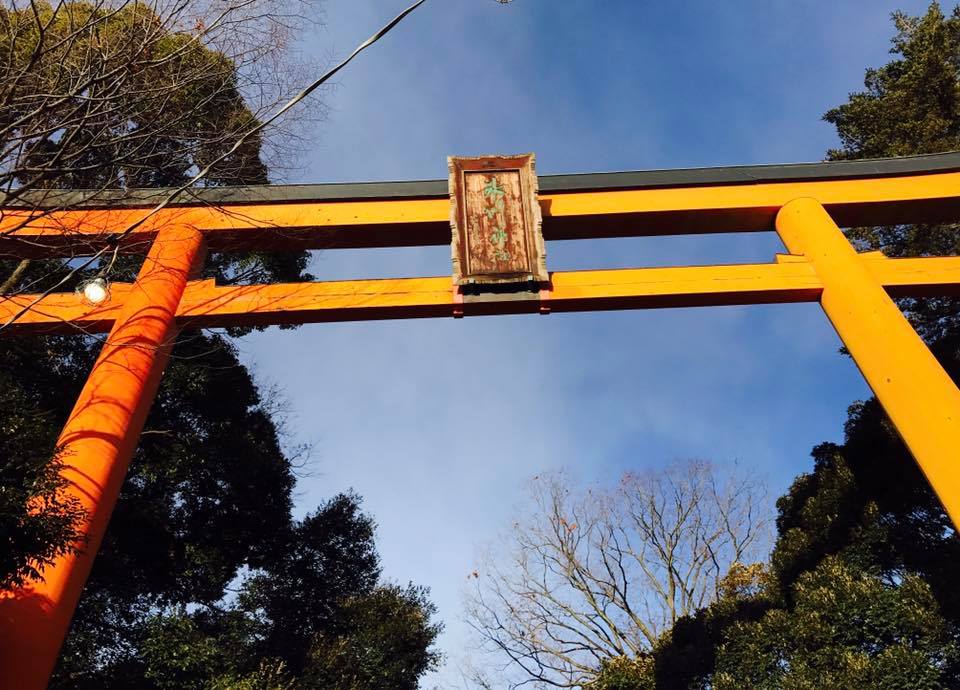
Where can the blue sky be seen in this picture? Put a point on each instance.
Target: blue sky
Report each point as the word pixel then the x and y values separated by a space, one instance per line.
pixel 441 452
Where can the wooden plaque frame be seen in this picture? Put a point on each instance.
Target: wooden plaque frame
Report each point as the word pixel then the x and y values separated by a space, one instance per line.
pixel 495 221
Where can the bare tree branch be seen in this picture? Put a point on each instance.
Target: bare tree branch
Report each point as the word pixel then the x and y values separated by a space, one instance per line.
pixel 602 573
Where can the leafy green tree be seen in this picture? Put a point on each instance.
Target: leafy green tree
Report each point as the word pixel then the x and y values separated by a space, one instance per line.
pixel 124 94
pixel 177 654
pixel 328 558
pixel 35 524
pixel 686 655
pixel 352 632
pixel 911 105
pixel 378 644
pixel 844 628
pixel 624 673
pixel 316 617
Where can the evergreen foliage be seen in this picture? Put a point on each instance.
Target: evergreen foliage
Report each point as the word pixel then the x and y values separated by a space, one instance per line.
pixel 35 525
pixel 110 95
pixel 843 628
pixel 378 645
pixel 624 673
pixel 910 106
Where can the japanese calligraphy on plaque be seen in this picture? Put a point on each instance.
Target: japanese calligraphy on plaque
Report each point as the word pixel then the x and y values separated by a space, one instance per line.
pixel 496 222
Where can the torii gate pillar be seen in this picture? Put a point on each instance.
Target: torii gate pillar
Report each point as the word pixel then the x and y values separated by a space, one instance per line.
pixel 97 443
pixel 917 394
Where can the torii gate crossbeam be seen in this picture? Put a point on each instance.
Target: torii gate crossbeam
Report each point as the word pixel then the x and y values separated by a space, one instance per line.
pixel 803 203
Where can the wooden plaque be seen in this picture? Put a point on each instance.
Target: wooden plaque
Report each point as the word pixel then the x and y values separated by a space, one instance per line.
pixel 495 221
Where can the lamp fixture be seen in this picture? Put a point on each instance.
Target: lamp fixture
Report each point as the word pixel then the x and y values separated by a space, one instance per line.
pixel 94 291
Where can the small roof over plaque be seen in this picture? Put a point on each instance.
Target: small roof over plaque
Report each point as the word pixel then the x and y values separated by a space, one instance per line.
pixel 495 221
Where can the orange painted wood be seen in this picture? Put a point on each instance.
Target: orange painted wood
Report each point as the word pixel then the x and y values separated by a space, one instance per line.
pixel 414 222
pixel 205 304
pixel 916 393
pixel 97 444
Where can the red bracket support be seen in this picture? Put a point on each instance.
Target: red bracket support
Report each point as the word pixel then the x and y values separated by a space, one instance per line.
pixel 545 301
pixel 457 302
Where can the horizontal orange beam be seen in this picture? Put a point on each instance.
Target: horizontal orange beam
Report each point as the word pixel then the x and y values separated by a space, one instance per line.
pixel 205 304
pixel 567 215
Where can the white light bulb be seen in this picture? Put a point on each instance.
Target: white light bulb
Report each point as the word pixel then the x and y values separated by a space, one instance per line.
pixel 96 291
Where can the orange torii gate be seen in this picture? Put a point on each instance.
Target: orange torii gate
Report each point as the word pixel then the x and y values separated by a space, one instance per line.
pixel 805 204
